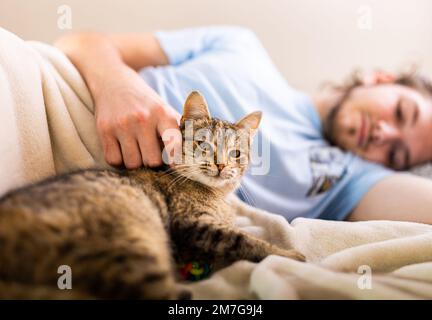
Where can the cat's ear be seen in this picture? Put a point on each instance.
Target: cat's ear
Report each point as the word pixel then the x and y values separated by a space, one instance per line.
pixel 250 122
pixel 195 107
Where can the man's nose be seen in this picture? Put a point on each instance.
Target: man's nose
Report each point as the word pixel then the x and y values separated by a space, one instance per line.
pixel 385 132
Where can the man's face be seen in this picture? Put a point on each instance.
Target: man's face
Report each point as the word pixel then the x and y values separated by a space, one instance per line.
pixel 388 123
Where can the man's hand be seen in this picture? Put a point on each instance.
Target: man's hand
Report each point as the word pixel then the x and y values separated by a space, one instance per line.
pixel 130 117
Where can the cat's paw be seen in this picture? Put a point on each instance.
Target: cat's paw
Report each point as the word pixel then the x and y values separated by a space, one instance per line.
pixel 293 254
pixel 296 255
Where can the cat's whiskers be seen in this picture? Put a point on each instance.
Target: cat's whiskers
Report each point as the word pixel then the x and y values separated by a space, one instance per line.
pixel 185 173
pixel 173 170
pixel 176 170
pixel 216 192
pixel 173 182
pixel 247 196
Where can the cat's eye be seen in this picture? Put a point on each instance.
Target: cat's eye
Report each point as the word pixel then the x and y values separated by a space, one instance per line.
pixel 235 154
pixel 203 149
pixel 204 146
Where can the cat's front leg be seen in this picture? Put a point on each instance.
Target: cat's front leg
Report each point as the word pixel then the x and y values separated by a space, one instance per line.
pixel 255 249
pixel 222 244
pixel 243 209
pixel 268 226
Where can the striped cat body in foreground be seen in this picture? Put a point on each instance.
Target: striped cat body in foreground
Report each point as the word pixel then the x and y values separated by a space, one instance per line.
pixel 119 231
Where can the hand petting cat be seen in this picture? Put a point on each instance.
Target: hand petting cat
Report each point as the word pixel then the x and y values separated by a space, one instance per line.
pixel 130 116
pixel 131 119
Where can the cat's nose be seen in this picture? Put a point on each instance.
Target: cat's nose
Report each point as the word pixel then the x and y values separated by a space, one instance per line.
pixel 220 167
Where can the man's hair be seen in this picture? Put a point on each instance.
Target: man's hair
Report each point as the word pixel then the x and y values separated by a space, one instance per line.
pixel 412 78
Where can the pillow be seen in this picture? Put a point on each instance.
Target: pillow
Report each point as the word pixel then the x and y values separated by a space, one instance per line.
pixel 424 170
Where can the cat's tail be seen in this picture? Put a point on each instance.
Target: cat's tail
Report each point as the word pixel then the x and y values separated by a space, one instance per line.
pixel 20 291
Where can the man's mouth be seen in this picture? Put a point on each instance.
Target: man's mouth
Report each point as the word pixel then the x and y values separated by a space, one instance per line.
pixel 364 131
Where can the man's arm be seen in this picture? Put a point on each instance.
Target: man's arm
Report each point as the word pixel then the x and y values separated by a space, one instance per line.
pixel 130 116
pixel 402 197
pixel 135 50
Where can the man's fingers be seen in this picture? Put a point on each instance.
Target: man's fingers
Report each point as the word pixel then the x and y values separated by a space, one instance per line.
pixel 171 138
pixel 149 145
pixel 131 153
pixel 111 150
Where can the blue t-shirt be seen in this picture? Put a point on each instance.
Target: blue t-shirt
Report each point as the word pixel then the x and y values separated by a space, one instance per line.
pixel 297 173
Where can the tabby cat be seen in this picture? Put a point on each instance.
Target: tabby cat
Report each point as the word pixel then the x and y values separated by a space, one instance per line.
pixel 118 231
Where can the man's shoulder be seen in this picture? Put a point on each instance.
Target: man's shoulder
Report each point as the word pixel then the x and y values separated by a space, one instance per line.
pixel 234 35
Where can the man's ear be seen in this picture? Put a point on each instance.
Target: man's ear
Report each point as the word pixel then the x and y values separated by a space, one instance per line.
pixel 250 122
pixel 195 107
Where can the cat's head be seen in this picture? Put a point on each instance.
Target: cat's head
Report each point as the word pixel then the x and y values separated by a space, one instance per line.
pixel 215 153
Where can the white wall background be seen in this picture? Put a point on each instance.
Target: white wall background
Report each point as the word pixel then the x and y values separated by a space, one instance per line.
pixel 310 40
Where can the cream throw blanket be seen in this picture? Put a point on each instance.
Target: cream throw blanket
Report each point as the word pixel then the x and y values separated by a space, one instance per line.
pixel 47 127
pixel 47 123
pixel 346 260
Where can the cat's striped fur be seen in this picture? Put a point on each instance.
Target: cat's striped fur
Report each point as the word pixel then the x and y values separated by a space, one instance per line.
pixel 119 231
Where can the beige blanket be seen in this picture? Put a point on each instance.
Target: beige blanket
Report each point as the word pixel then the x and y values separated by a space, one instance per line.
pixel 345 260
pixel 47 127
pixel 46 111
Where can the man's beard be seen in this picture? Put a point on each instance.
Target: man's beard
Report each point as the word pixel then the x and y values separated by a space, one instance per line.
pixel 329 126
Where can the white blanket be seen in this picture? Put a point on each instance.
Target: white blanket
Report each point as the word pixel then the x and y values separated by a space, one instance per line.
pixel 46 111
pixel 345 260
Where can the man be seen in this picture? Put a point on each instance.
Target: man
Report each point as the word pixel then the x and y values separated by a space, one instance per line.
pixel 384 122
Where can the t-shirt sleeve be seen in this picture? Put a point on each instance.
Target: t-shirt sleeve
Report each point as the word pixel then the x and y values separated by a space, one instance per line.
pixel 186 44
pixel 360 178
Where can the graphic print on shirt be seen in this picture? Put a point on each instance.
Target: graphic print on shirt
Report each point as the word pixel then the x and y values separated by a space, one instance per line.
pixel 328 167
